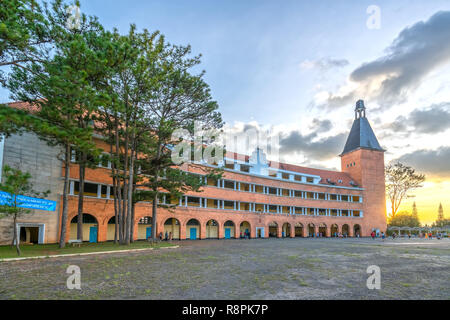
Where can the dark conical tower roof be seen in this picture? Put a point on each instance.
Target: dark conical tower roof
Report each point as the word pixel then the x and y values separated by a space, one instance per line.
pixel 361 135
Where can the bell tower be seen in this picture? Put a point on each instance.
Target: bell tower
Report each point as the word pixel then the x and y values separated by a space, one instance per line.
pixel 363 160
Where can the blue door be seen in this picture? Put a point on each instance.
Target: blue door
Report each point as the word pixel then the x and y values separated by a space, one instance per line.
pixel 148 233
pixel 227 233
pixel 93 234
pixel 193 233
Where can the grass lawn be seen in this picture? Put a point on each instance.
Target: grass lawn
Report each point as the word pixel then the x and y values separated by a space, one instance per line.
pixel 52 249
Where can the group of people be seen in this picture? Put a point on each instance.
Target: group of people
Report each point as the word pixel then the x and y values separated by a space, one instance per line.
pixel 375 235
pixel 245 235
pixel 340 235
pixel 167 236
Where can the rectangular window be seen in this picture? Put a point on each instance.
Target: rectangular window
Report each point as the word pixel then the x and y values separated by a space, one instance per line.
pixel 285 192
pixel 272 173
pixel 334 212
pixel 90 189
pixel 356 213
pixel 322 212
pixel 211 203
pixel 297 194
pixel 259 207
pixel 245 206
pixel 344 198
pixel 193 202
pixel 229 166
pixel 333 197
pixel 104 191
pixel 272 191
pixel 285 209
pixel 310 195
pixel 309 180
pixel 228 184
pixel 356 199
pixel 211 182
pixel 297 178
pixel 245 168
pixel 310 211
pixel 273 209
pixel 285 176
pixel 104 161
pixel 172 200
pixel 259 189
pixel 345 213
pixel 245 187
pixel 321 196
pixel 228 205
pixel 298 210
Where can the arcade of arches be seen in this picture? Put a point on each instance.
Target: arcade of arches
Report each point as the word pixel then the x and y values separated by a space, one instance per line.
pixel 97 229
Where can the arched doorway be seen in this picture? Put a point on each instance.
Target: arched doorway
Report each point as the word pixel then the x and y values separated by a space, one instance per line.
pixel 172 225
pixel 229 229
pixel 193 229
pixel 111 229
pixel 244 229
pixel 323 230
pixel 334 230
pixel 273 230
pixel 311 230
pixel 299 230
pixel 286 230
pixel 212 229
pixel 345 230
pixel 90 228
pixel 357 230
pixel 145 228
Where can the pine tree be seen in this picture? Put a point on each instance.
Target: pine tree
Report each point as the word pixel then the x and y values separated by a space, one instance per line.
pixel 440 213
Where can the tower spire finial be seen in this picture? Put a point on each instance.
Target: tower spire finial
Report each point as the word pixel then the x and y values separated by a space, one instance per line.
pixel 360 110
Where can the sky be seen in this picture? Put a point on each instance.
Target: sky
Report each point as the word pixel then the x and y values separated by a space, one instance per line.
pixel 296 69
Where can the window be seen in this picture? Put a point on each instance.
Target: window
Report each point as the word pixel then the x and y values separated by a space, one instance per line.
pixel 285 192
pixel 285 176
pixel 297 194
pixel 193 202
pixel 297 178
pixel 333 212
pixel 104 191
pixel 285 209
pixel 245 168
pixel 344 198
pixel 245 187
pixel 273 209
pixel 245 206
pixel 213 204
pixel 228 184
pixel 229 166
pixel 259 189
pixel 345 213
pixel 356 213
pixel 322 212
pixel 310 211
pixel 228 205
pixel 309 180
pixel 356 199
pixel 298 210
pixel 211 182
pixel 321 196
pixel 90 189
pixel 104 161
pixel 259 207
pixel 310 195
pixel 272 174
pixel 272 191
pixel 333 197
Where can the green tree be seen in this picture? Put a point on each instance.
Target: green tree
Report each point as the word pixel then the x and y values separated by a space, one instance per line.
pixel 61 90
pixel 404 219
pixel 16 184
pixel 400 181
pixel 180 100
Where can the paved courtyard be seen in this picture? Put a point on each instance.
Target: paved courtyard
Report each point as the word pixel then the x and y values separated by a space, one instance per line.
pixel 243 269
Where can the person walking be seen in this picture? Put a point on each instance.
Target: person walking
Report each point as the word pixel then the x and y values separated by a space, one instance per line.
pixel 383 236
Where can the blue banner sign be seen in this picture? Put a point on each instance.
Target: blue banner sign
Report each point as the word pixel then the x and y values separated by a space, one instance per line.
pixel 28 202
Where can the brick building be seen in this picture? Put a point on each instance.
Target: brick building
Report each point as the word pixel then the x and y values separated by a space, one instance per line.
pixel 255 195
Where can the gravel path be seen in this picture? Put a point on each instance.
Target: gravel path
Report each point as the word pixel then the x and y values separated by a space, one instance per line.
pixel 243 269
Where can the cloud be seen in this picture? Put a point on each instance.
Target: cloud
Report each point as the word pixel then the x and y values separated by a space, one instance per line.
pixel 322 149
pixel 390 79
pixel 431 120
pixel 324 64
pixel 432 162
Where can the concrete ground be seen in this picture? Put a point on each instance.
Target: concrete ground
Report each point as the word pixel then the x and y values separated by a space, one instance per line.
pixel 243 269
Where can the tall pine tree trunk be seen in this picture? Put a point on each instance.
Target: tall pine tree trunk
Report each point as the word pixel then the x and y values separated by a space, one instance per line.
pixel 62 237
pixel 82 173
